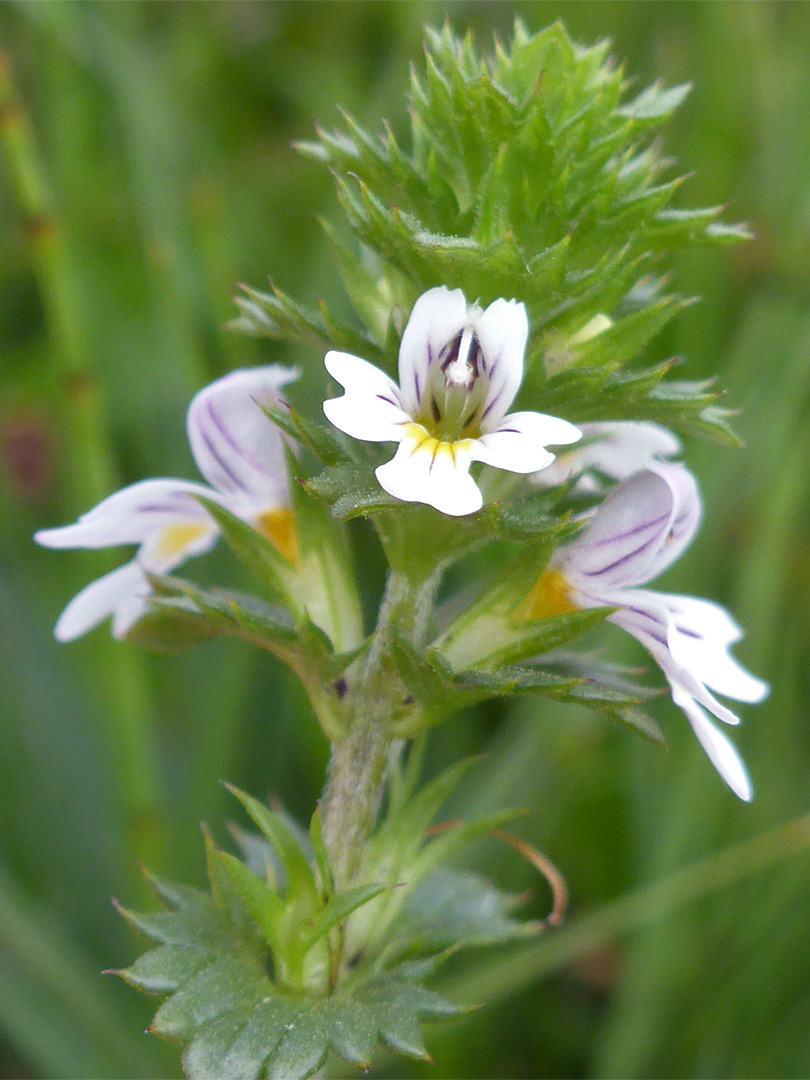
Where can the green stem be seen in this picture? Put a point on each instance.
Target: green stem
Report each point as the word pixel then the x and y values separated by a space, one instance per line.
pixel 358 766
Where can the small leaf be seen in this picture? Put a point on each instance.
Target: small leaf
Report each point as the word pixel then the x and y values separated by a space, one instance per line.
pixel 320 439
pixel 299 877
pixel 264 904
pixel 461 908
pixel 339 908
pixel 172 627
pixel 655 103
pixel 320 853
pixel 164 969
pixel 351 490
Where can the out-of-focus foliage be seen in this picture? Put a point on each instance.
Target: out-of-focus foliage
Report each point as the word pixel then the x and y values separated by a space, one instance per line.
pixel 165 177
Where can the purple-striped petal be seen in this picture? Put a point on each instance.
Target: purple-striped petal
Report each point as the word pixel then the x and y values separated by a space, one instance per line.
pixel 437 317
pixel 519 443
pixel 642 527
pixel 132 515
pixel 371 408
pixel 502 331
pixel 237 449
pixel 424 470
pixel 700 634
pixel 646 615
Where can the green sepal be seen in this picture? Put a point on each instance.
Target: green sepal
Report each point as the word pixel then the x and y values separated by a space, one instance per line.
pixel 325 571
pixel 655 103
pixel 339 908
pixel 264 904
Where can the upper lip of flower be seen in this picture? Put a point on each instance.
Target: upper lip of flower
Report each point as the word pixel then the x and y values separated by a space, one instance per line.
pixel 640 529
pixel 459 371
pixel 239 452
pixel 613 448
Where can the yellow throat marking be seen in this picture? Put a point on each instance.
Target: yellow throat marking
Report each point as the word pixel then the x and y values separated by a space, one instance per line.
pixel 278 526
pixel 550 595
pixel 423 442
pixel 175 539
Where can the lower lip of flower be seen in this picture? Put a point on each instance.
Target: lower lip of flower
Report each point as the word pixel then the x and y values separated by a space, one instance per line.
pixel 176 538
pixel 422 442
pixel 550 595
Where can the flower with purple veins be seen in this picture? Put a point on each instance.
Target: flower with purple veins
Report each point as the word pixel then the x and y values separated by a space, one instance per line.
pixel 459 371
pixel 632 537
pixel 238 451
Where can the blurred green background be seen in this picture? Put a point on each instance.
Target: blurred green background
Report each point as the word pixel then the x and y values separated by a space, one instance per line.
pixel 148 169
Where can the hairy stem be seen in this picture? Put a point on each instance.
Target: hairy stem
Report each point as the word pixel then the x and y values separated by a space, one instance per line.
pixel 357 769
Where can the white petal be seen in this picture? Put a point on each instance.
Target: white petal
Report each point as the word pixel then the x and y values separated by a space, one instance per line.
pixel 647 616
pixel 502 331
pixel 131 515
pixel 642 526
pixel 721 751
pixel 616 449
pixel 437 316
pixel 236 447
pixel 699 638
pixel 432 474
pixel 519 443
pixel 370 409
pixel 122 593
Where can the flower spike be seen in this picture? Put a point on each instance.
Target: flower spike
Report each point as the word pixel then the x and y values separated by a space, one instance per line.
pixel 459 371
pixel 237 450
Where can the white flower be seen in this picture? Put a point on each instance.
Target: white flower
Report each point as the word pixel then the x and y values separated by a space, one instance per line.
pixel 238 451
pixel 639 530
pixel 459 371
pixel 615 448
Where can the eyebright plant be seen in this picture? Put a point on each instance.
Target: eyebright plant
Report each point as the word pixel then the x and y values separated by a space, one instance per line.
pixel 508 256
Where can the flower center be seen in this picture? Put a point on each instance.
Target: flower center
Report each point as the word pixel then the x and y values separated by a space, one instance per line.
pixel 456 390
pixel 550 595
pixel 278 526
pixel 422 442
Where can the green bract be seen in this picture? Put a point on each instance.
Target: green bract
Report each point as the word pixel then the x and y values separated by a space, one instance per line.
pixel 535 174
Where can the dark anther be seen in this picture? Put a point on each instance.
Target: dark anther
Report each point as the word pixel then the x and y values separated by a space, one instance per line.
pixel 354 960
pixel 408 699
pixel 340 687
pixel 476 358
pixel 450 352
pixel 434 408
